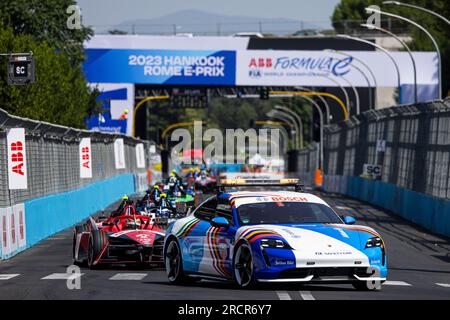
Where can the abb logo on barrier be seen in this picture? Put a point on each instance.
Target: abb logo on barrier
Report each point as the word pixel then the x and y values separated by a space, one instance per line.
pixel 85 158
pixel 17 163
pixel 17 157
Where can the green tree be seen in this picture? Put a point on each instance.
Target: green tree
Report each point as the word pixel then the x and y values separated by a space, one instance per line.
pixel 46 21
pixel 60 94
pixel 348 10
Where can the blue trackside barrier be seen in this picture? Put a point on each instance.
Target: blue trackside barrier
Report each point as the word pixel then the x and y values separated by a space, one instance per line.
pixel 430 212
pixel 50 214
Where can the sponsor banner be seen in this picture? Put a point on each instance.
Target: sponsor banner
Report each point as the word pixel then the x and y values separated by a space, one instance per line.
pixel 119 154
pixel 19 216
pixel 17 159
pixel 179 67
pixel 322 68
pixel 4 232
pixel 141 182
pixel 12 230
pixel 85 158
pixel 140 156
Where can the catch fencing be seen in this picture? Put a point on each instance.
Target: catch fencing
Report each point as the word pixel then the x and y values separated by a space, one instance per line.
pixel 413 147
pixel 53 160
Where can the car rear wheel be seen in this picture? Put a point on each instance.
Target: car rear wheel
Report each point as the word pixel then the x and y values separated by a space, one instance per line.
pixel 174 263
pixel 243 266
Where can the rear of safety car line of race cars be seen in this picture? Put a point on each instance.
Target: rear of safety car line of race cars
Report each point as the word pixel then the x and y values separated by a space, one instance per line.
pixel 216 241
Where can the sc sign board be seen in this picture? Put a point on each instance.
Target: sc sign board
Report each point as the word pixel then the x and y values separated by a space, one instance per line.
pixel 372 169
pixel 21 70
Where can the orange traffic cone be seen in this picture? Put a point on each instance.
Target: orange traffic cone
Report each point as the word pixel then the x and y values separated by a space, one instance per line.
pixel 318 178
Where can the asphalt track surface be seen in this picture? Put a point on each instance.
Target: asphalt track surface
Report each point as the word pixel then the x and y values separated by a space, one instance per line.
pixel 418 262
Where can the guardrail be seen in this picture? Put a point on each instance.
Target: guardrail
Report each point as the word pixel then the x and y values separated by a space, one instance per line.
pixel 410 144
pixel 52 177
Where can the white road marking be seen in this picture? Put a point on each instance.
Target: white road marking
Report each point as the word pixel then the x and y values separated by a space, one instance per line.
pixel 129 276
pixel 62 276
pixel 445 285
pixel 343 208
pixel 8 276
pixel 396 283
pixel 283 295
pixel 306 295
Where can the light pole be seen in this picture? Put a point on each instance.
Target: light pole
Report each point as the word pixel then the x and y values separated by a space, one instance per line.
pixel 403 43
pixel 275 114
pixel 355 93
pixel 347 100
pixel 368 69
pixel 401 4
pixel 299 120
pixel 325 103
pixel 373 10
pixel 319 110
pixel 288 118
pixel 371 105
pixel 397 69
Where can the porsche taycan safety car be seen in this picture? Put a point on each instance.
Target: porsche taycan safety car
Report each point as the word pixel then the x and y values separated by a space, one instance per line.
pixel 127 237
pixel 273 236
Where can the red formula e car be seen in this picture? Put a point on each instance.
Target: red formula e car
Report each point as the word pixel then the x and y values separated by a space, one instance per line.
pixel 124 238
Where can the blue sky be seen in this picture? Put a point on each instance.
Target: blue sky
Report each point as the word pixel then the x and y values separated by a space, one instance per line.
pixel 113 12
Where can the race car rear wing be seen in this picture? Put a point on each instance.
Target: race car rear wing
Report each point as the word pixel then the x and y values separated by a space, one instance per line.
pixel 233 183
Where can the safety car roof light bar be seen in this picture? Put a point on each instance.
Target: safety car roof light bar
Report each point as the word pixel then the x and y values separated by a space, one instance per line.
pixel 230 183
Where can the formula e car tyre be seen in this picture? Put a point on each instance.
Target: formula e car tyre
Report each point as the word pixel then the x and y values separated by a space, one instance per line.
pixel 366 286
pixel 174 263
pixel 79 262
pixel 97 242
pixel 243 266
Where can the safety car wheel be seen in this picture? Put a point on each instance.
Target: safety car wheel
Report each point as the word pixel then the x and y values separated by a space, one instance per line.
pixel 174 263
pixel 243 266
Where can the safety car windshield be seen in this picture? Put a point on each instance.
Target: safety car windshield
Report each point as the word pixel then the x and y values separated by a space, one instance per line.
pixel 285 213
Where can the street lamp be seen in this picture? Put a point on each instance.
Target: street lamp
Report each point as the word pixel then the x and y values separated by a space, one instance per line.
pixel 347 100
pixel 373 10
pixel 299 120
pixel 355 93
pixel 289 119
pixel 397 69
pixel 364 76
pixel 401 4
pixel 324 101
pixel 319 110
pixel 403 43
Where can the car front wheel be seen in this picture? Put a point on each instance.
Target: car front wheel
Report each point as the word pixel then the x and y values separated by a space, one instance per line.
pixel 243 266
pixel 173 262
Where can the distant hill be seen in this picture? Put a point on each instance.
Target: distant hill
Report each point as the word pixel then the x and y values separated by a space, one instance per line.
pixel 200 22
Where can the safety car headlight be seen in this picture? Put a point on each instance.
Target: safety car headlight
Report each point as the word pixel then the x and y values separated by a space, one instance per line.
pixel 374 242
pixel 273 243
